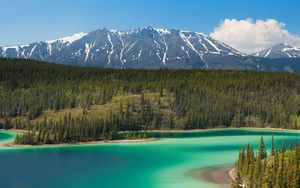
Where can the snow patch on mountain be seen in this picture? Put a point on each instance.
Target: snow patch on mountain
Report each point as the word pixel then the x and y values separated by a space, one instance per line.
pixel 280 51
pixel 134 48
pixel 69 39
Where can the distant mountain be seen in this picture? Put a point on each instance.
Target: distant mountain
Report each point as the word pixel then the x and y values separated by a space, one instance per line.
pixel 138 48
pixel 148 48
pixel 280 51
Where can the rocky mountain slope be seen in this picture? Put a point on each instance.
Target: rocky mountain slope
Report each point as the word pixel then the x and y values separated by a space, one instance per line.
pixel 279 51
pixel 152 48
pixel 139 48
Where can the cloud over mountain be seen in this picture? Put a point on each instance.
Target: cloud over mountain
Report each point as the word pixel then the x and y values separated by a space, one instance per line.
pixel 250 36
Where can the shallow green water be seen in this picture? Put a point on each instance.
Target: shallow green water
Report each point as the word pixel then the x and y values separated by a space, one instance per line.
pixel 6 137
pixel 159 164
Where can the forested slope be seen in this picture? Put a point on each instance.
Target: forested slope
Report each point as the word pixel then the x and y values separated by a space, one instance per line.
pixel 70 104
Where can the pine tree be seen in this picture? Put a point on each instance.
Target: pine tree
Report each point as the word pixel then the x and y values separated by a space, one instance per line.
pixel 272 147
pixel 275 169
pixel 262 153
pixel 283 147
pixel 257 179
pixel 281 173
pixel 241 160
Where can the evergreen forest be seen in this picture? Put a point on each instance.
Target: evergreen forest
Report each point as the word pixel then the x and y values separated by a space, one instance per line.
pixel 64 104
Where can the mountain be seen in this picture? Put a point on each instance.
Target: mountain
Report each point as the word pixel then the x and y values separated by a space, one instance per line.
pixel 138 48
pixel 280 51
pixel 151 48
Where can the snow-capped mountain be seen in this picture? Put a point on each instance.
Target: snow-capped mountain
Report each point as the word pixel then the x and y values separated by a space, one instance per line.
pixel 138 48
pixel 40 50
pixel 152 48
pixel 280 51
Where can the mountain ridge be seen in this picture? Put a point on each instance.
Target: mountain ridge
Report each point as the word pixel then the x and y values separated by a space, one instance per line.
pixel 145 48
pixel 281 50
pixel 165 46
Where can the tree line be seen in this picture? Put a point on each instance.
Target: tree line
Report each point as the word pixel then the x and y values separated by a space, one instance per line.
pixel 198 99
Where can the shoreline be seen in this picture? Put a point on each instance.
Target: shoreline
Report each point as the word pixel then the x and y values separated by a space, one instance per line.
pixel 224 128
pixel 14 131
pixel 12 145
pixel 233 174
pixel 183 131
pixel 221 175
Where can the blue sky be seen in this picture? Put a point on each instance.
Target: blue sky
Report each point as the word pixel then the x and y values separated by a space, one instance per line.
pixel 24 21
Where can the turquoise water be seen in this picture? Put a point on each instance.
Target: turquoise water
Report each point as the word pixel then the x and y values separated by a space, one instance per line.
pixel 6 137
pixel 159 164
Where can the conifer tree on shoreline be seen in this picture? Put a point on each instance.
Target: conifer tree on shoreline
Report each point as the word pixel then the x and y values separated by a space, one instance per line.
pixel 279 170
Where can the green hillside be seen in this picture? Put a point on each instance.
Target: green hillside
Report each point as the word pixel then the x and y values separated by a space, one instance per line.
pixel 70 104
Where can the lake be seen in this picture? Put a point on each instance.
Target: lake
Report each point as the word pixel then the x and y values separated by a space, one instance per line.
pixel 159 164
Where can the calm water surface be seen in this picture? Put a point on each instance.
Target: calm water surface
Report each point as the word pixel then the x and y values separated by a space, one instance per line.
pixel 159 164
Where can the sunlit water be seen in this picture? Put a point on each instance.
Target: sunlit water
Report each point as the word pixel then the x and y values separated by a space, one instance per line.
pixel 159 164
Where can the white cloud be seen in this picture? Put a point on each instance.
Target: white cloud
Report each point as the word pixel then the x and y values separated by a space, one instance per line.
pixel 251 36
